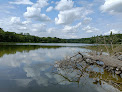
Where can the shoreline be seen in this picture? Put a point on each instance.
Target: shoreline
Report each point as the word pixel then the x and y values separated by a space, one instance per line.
pixel 111 63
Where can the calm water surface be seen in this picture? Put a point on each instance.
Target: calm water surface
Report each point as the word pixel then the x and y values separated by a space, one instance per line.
pixel 27 67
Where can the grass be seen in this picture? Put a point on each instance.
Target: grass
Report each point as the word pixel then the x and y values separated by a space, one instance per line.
pixel 106 48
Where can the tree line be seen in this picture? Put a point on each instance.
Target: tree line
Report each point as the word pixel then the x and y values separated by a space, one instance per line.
pixel 26 37
pixel 102 39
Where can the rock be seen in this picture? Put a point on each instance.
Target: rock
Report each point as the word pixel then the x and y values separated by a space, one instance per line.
pixel 94 61
pixel 89 61
pixel 118 68
pixel 107 67
pixel 113 71
pixel 121 75
pixel 121 68
pixel 120 57
pixel 118 72
pixel 100 63
pixel 104 66
pixel 111 68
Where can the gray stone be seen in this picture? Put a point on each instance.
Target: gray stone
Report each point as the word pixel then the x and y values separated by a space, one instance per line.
pixel 88 60
pixel 104 66
pixel 120 57
pixel 121 75
pixel 121 68
pixel 118 68
pixel 111 68
pixel 112 71
pixel 118 72
pixel 107 67
pixel 94 61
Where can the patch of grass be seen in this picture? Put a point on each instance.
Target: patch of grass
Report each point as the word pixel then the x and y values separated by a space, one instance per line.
pixel 116 48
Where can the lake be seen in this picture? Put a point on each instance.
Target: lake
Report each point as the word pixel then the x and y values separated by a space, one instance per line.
pixel 27 67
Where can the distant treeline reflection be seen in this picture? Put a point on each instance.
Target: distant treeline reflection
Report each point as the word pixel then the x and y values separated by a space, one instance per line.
pixel 12 49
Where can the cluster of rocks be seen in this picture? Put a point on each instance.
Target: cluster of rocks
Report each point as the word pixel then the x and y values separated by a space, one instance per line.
pixel 116 70
pixel 118 56
pixel 92 62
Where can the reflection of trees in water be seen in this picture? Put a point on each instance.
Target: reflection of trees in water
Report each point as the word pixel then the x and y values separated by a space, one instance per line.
pixel 75 69
pixel 12 49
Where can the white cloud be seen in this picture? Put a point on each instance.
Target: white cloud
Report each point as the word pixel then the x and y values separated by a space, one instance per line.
pixel 26 22
pixel 35 13
pixel 90 29
pixel 69 16
pixel 15 20
pixel 64 5
pixel 72 29
pixel 49 9
pixel 113 31
pixel 50 30
pixel 22 2
pixel 15 24
pixel 62 33
pixel 112 6
pixel 39 27
pixel 40 3
pixel 22 28
pixel 32 11
pixel 68 13
pixel 86 20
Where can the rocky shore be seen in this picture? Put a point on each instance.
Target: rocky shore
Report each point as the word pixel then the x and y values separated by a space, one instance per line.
pixel 110 63
pixel 94 65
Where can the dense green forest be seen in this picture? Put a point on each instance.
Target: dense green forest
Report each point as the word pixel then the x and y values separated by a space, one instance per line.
pixel 26 37
pixel 102 39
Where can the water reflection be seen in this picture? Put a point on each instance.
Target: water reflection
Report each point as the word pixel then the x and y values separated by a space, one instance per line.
pixel 12 49
pixel 29 69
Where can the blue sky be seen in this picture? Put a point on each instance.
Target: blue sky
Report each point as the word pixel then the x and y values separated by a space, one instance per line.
pixel 61 18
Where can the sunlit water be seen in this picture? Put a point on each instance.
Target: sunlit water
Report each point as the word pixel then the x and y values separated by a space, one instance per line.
pixel 28 68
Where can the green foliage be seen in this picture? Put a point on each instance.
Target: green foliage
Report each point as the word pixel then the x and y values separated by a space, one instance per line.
pixel 26 37
pixel 108 39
